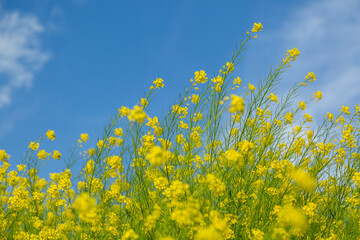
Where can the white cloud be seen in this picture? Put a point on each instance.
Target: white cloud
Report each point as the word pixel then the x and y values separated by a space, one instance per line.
pixel 20 52
pixel 327 33
pixel 15 117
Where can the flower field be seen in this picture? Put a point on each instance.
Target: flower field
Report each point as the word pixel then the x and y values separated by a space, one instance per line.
pixel 229 160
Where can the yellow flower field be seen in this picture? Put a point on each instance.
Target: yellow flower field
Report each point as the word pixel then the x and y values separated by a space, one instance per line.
pixel 228 161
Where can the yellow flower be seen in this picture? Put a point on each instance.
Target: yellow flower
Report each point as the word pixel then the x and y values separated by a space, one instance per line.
pixel 137 114
pixel 289 117
pixel 84 137
pixel 129 234
pixel 183 125
pixel 302 105
pixel 237 80
pixel 195 98
pixel 180 110
pixel 330 116
pixel 209 233
pixel 50 135
pixel 115 162
pixel 307 118
pixel 304 180
pixel 234 156
pixel 309 134
pixel 4 156
pixel 345 109
pixel 198 116
pixel 281 234
pixel 180 139
pixel 100 144
pixel 215 184
pixel 318 95
pixel 257 27
pixel 230 67
pixel 291 55
pixel 91 152
pixel 219 81
pixel 150 221
pixel 21 167
pixel 234 131
pixel 294 53
pixel 310 76
pixel 200 77
pixel 85 207
pixel 143 102
pixel 290 216
pixel 257 234
pixel 158 83
pixel 237 104
pixel 56 155
pixel 124 111
pixel 273 98
pixel 118 132
pixel 34 146
pixel 42 154
pixel 252 87
pixel 156 156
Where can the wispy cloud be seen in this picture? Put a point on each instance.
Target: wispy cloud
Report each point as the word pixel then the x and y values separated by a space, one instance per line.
pixel 13 118
pixel 327 33
pixel 20 52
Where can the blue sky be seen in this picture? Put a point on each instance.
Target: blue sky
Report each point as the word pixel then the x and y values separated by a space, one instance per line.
pixel 68 65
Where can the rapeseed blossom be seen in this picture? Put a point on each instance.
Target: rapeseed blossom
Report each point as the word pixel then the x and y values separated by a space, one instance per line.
pixel 130 234
pixel 42 154
pixel 158 83
pixel 252 87
pixel 257 234
pixel 34 146
pixel 330 116
pixel 345 109
pixel 195 98
pixel 124 111
pixel 118 132
pixel 302 105
pixel 137 114
pixel 307 118
pixel 84 137
pixel 237 80
pixel 292 217
pixel 237 104
pixel 156 156
pixel 208 234
pixel 317 95
pixel 199 172
pixel 144 102
pixel 257 27
pixel 311 77
pixel 86 207
pixel 4 156
pixel 200 76
pixel 50 134
pixel 289 117
pixel 291 55
pixel 56 155
pixel 273 98
pixel 304 180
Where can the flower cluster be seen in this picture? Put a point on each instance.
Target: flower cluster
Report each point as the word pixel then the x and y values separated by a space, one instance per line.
pixel 252 167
